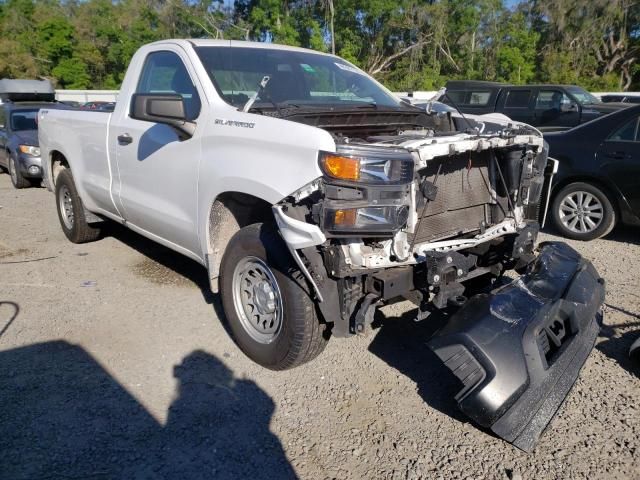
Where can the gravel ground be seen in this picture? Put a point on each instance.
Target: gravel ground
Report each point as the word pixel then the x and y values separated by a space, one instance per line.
pixel 114 364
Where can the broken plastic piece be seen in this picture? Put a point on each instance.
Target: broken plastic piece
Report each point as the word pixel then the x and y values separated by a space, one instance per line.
pixel 518 351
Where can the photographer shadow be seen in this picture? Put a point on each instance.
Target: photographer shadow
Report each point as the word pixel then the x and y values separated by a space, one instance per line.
pixel 64 416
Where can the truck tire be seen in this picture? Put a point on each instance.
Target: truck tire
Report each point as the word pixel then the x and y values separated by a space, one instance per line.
pixel 582 211
pixel 71 211
pixel 266 300
pixel 17 179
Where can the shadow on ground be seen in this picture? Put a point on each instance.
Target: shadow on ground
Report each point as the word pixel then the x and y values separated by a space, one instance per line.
pixel 622 233
pixel 171 264
pixel 625 234
pixel 619 339
pixel 63 416
pixel 402 344
pixel 163 263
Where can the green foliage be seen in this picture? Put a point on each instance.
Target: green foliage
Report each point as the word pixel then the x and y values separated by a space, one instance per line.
pixel 72 73
pixel 516 54
pixel 407 44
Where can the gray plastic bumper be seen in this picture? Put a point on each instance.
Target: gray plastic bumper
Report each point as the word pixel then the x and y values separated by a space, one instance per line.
pixel 519 350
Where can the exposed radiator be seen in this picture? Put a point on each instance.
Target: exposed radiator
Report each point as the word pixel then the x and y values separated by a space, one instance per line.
pixel 462 201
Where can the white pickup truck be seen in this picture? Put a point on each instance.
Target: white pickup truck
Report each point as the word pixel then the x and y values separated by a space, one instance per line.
pixel 312 195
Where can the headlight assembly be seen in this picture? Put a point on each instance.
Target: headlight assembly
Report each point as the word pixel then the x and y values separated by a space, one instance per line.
pixel 366 220
pixel 30 150
pixel 368 166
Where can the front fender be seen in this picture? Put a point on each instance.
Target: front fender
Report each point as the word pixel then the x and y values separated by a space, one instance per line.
pixel 264 157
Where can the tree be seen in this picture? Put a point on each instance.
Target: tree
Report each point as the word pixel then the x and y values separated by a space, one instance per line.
pixel 407 44
pixel 72 73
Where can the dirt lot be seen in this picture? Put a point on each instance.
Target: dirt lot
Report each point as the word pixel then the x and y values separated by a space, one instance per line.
pixel 114 364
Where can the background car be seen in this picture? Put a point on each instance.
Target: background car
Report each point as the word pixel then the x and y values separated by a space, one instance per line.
pixel 19 149
pixel 598 180
pixel 620 97
pixel 72 103
pixel 99 105
pixel 549 107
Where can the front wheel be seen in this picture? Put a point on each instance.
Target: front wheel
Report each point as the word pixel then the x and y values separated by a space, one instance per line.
pixel 266 301
pixel 582 211
pixel 17 179
pixel 71 212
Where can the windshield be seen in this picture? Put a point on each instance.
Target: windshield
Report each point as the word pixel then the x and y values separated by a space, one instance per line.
pixel 295 78
pixel 582 96
pixel 24 120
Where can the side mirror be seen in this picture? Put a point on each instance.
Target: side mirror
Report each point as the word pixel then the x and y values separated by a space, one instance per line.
pixel 568 107
pixel 162 108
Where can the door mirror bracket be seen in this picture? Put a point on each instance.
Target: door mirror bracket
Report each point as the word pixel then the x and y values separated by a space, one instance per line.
pixel 168 109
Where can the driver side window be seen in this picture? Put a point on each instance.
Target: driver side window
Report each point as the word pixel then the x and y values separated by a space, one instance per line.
pixel 164 72
pixel 627 133
pixel 551 100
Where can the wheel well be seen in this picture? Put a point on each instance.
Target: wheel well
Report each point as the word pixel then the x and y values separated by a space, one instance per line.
pixel 593 181
pixel 230 212
pixel 58 163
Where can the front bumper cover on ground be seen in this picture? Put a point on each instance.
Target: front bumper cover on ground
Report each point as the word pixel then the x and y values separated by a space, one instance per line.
pixel 519 350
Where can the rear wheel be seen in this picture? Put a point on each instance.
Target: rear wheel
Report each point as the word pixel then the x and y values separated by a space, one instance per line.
pixel 17 179
pixel 583 211
pixel 266 301
pixel 71 211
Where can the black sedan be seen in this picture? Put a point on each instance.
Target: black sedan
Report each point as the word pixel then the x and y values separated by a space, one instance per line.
pixel 598 181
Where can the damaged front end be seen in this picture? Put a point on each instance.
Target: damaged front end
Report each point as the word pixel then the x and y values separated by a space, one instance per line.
pixel 435 218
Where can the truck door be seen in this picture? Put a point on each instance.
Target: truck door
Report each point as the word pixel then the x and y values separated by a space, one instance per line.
pixel 554 108
pixel 619 157
pixel 516 103
pixel 158 170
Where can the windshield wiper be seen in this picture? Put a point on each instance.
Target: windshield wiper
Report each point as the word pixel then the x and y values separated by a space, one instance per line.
pixel 261 86
pixel 260 92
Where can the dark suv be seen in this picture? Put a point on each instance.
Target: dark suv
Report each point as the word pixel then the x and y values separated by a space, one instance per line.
pixel 19 151
pixel 547 107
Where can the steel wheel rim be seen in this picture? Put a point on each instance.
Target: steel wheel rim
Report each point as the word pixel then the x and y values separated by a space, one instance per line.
pixel 66 206
pixel 12 171
pixel 581 212
pixel 257 299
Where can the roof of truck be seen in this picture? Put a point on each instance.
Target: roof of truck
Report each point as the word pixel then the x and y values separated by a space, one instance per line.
pixel 206 42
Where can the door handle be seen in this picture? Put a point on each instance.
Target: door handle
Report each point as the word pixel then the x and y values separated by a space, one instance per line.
pixel 124 139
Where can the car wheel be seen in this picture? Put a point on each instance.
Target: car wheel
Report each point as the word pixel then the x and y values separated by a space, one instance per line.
pixel 17 179
pixel 71 211
pixel 582 211
pixel 266 301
